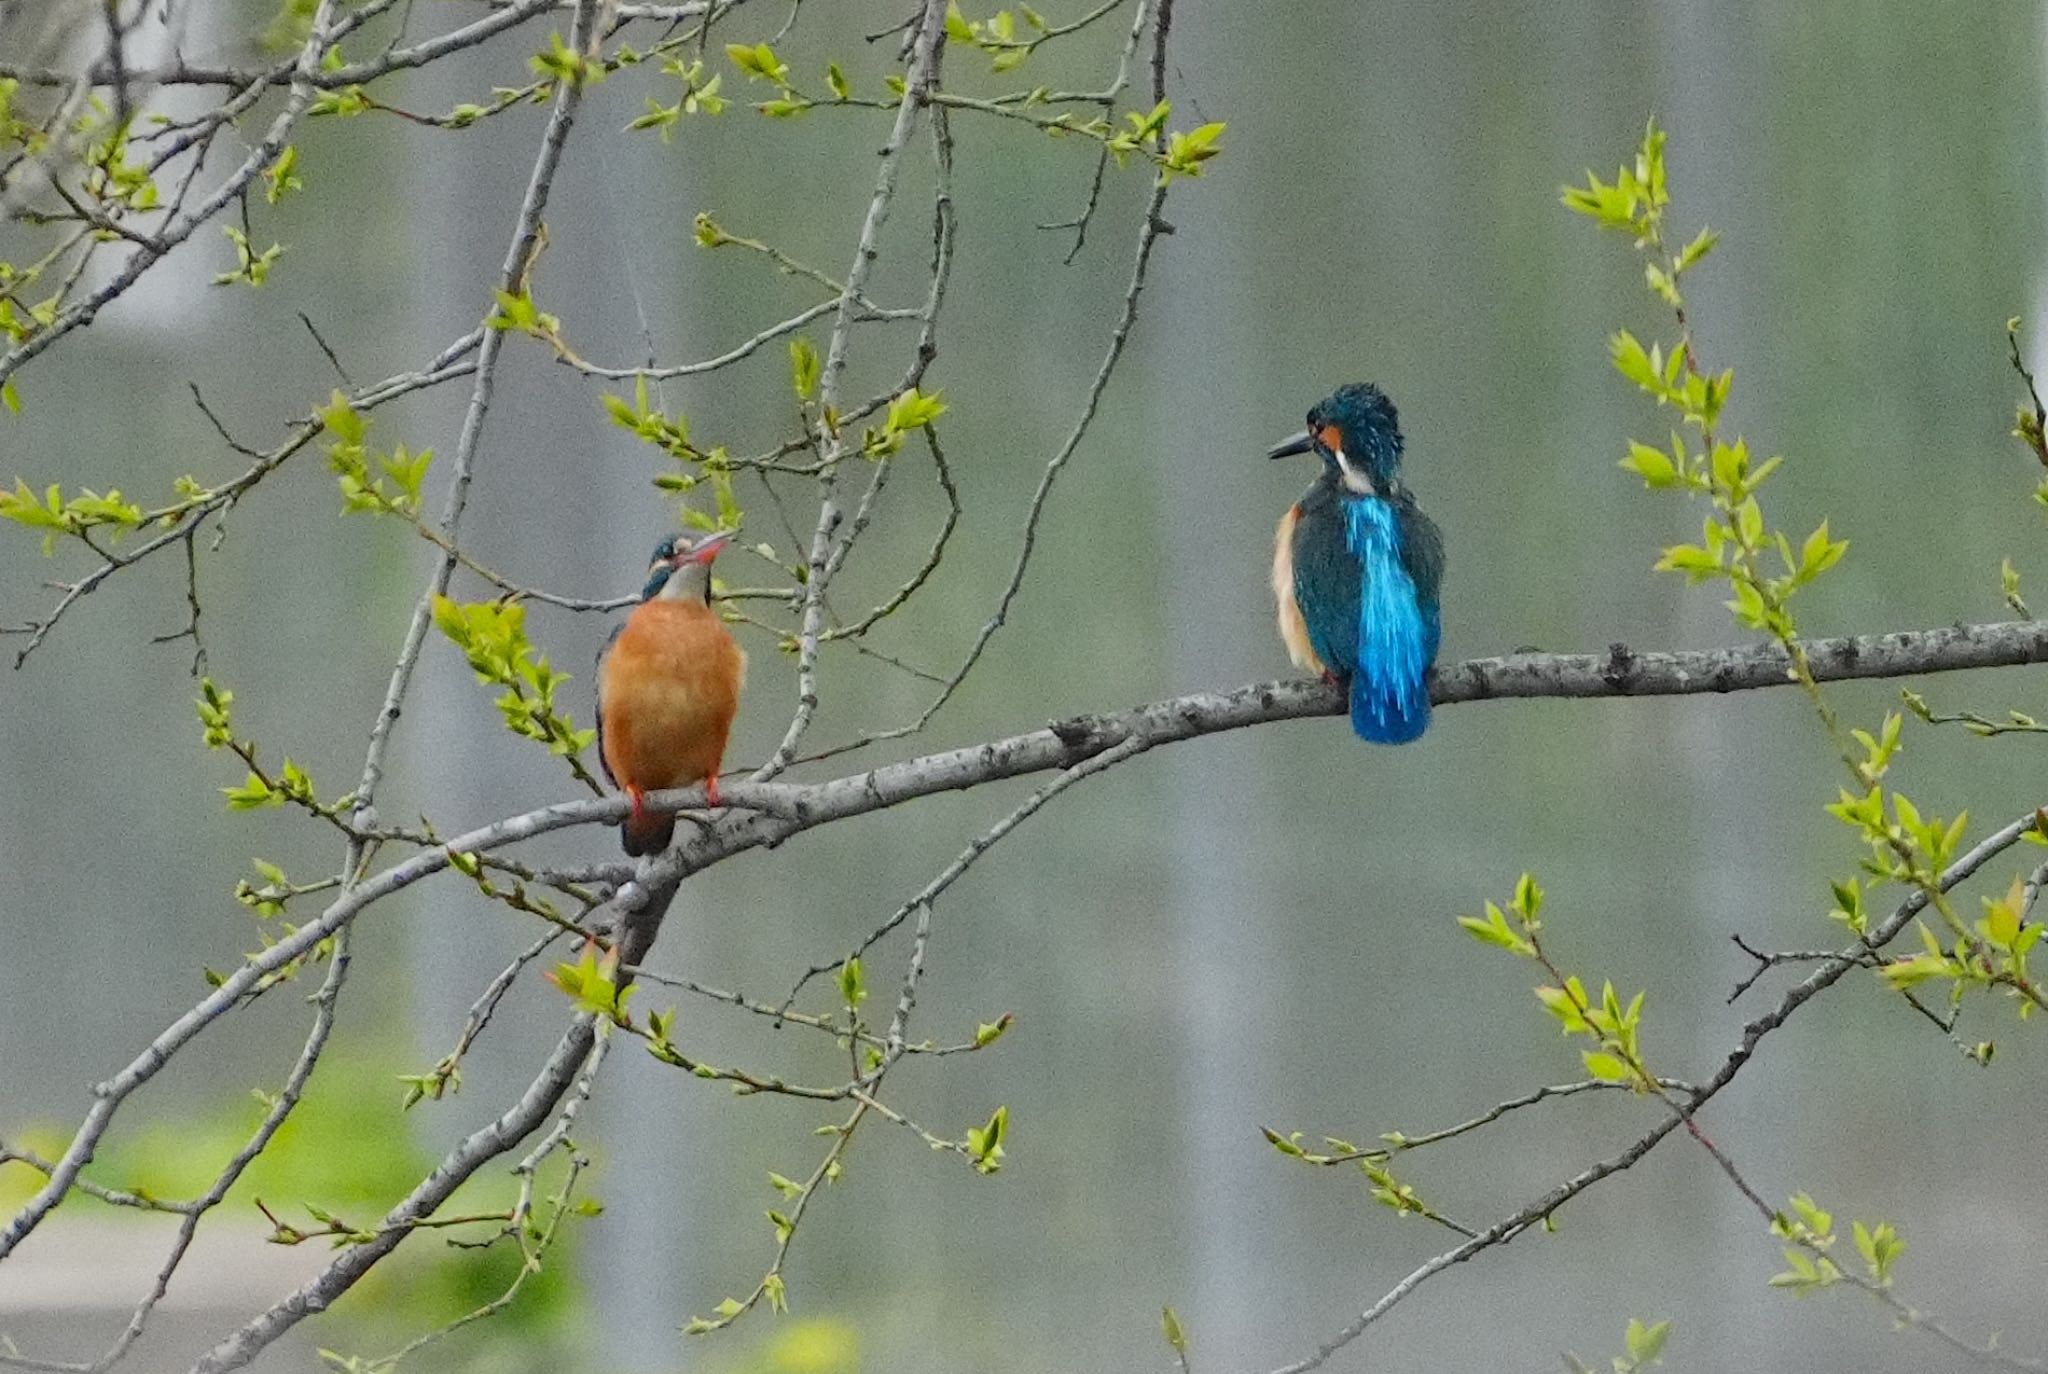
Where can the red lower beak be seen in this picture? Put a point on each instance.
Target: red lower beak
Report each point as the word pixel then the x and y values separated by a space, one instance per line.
pixel 706 551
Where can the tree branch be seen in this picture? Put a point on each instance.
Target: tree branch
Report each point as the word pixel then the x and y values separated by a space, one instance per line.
pixel 1514 1224
pixel 766 814
pixel 495 1138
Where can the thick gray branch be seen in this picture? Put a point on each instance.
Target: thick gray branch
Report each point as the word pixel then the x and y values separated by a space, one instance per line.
pixel 1620 672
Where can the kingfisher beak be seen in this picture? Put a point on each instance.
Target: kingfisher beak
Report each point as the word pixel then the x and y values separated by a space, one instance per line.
pixel 705 550
pixel 1300 443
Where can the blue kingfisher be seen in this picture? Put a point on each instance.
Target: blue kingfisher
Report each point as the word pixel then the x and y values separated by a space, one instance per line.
pixel 1357 565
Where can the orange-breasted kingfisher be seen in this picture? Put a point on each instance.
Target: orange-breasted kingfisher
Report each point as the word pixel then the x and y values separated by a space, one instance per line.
pixel 668 686
pixel 1357 565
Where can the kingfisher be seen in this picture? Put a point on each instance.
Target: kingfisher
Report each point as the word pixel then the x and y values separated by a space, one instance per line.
pixel 668 686
pixel 1357 565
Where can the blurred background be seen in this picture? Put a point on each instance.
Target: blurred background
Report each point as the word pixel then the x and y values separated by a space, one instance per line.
pixel 1244 931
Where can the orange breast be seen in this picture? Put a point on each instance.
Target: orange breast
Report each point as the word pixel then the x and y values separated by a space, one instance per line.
pixel 1293 629
pixel 671 686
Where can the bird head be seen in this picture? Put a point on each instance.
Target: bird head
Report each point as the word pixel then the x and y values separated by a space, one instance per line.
pixel 1356 434
pixel 681 569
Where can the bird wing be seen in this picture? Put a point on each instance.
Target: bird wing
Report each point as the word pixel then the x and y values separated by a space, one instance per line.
pixel 1326 589
pixel 602 654
pixel 1422 557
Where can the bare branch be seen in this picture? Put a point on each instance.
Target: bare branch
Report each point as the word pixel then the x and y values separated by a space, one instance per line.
pixel 918 81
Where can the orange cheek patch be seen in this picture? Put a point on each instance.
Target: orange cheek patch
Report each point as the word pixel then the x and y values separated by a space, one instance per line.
pixel 1331 438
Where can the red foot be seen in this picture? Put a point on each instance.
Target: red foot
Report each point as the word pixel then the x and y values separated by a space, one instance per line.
pixel 639 800
pixel 711 791
pixel 1331 679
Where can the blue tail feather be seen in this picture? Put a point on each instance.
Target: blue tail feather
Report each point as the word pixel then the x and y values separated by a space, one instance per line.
pixel 1397 633
pixel 1386 720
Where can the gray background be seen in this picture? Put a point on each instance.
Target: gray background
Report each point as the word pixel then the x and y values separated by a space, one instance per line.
pixel 1246 930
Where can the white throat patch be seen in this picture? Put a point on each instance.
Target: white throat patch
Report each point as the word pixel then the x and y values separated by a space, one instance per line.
pixel 1354 480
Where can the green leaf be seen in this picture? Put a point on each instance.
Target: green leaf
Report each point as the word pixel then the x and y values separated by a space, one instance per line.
pixel 212 705
pixel 292 780
pixel 1565 1004
pixel 985 1143
pixel 658 116
pixel 758 62
pixel 250 266
pixel 914 410
pixel 342 420
pixel 2001 923
pixel 592 983
pixel 1915 969
pixel 1749 523
pixel 1819 553
pixel 1663 284
pixel 704 96
pixel 1819 1223
pixel 1646 1343
pixel 518 312
pixel 409 473
pixel 1654 466
pixel 1494 930
pixel 852 986
pixel 1637 364
pixel 1487 933
pixel 1695 562
pixel 1176 1335
pixel 804 367
pixel 1286 1145
pixel 1186 152
pixel 24 508
pixel 1701 245
pixel 283 175
pixel 564 64
pixel 1605 1067
pixel 253 794
pixel 1805 1275
pixel 1880 1247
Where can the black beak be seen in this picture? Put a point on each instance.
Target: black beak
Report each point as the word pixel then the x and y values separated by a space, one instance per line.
pixel 1300 443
